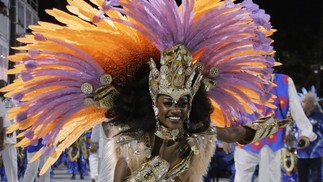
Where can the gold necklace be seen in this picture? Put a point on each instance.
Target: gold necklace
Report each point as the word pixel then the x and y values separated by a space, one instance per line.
pixel 167 134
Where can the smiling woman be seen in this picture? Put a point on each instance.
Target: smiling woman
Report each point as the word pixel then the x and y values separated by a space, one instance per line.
pixel 175 133
pixel 164 130
pixel 160 74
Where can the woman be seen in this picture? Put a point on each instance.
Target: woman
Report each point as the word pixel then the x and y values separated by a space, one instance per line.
pixel 69 76
pixel 167 135
pixel 170 127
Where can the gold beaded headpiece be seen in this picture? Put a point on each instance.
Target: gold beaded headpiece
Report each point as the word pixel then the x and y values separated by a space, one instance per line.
pixel 177 77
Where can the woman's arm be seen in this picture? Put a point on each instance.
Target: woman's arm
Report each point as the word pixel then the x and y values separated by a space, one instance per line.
pixel 234 134
pixel 122 171
pixel 255 131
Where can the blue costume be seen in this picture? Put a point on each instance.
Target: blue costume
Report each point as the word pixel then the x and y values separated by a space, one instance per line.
pixel 78 158
pixel 275 141
pixel 266 152
pixel 309 162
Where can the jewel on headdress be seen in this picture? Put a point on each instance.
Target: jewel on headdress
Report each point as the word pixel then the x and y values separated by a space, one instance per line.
pixel 176 75
pixel 87 88
pixel 213 72
pixel 106 79
pixel 88 101
pixel 103 96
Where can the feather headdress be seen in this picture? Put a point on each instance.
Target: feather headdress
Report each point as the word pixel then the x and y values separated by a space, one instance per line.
pixel 113 38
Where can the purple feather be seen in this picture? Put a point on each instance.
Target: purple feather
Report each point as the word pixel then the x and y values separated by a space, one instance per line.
pixel 17 97
pixel 56 113
pixel 30 64
pixel 72 74
pixel 54 61
pixel 39 37
pixel 48 104
pixel 29 134
pixel 87 58
pixel 66 116
pixel 83 63
pixel 33 52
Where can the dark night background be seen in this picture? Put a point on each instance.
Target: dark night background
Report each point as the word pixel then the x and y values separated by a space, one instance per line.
pixel 299 25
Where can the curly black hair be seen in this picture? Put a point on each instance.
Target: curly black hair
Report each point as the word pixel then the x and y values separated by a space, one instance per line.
pixel 133 106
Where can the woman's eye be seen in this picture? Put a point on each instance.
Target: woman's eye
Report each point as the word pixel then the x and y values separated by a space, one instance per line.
pixel 182 104
pixel 168 103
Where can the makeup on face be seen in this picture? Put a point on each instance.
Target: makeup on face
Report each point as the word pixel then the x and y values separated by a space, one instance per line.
pixel 172 113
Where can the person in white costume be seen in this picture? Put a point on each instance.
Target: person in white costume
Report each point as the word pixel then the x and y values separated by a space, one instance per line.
pixel 100 157
pixel 266 152
pixel 33 167
pixel 94 158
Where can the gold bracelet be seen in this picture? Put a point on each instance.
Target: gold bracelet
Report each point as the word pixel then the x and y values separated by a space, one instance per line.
pixel 145 174
pixel 266 126
pixel 159 167
pixel 151 171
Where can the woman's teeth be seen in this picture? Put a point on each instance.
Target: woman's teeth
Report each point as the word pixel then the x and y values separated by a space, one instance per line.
pixel 174 118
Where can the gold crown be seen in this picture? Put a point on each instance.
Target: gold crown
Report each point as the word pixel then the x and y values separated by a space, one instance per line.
pixel 177 77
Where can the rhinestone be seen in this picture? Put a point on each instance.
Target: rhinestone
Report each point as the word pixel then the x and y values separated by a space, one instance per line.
pixel 106 79
pixel 214 72
pixel 199 66
pixel 137 152
pixel 120 140
pixel 164 69
pixel 87 88
pixel 88 101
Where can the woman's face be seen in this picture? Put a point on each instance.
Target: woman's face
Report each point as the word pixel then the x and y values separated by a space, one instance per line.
pixel 172 114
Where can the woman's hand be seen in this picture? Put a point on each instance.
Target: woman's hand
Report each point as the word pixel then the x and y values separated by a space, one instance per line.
pixel 171 150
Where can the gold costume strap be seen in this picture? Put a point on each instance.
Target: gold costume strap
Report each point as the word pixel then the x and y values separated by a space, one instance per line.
pixel 151 171
pixel 262 128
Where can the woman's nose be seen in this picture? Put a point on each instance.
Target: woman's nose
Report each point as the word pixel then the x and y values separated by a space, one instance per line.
pixel 174 108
